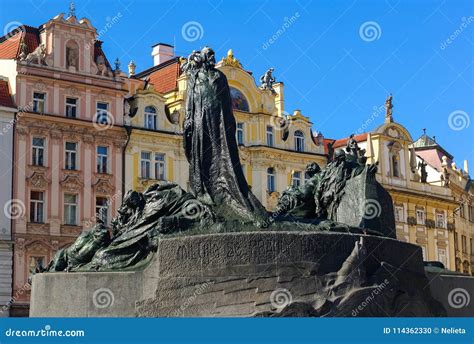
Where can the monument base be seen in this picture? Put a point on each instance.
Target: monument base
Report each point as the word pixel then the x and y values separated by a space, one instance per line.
pixel 251 274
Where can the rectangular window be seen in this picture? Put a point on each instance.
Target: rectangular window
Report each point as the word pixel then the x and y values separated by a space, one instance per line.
pixel 470 210
pixel 464 243
pixel 35 262
pixel 101 208
pixel 271 180
pixel 102 113
pixel 240 133
pixel 150 118
pixel 38 102
pixel 296 180
pixel 38 151
pixel 456 244
pixel 269 135
pixel 101 159
pixel 160 166
pixel 462 213
pixel 71 107
pixel 37 206
pixel 71 152
pixel 70 208
pixel 440 221
pixel 420 217
pixel 399 214
pixel 145 164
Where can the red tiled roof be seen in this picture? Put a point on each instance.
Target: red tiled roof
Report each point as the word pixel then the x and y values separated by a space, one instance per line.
pixel 166 79
pixel 10 43
pixel 6 98
pixel 343 142
pixel 163 77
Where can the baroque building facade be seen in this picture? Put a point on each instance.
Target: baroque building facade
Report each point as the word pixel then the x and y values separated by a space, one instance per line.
pixel 85 133
pixel 274 147
pixel 68 139
pixel 428 192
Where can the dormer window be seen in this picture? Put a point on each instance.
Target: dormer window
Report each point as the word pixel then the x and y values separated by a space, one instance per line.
pixel 150 118
pixel 299 141
pixel 394 153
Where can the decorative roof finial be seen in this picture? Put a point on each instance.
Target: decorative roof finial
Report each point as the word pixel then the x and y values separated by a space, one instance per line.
pixel 424 131
pixel 230 60
pixel 388 109
pixel 131 68
pixel 72 9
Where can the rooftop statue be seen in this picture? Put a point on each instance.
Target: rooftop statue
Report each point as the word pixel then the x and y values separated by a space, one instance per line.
pixel 267 80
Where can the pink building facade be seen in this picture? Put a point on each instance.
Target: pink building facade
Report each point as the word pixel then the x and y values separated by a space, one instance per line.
pixel 68 142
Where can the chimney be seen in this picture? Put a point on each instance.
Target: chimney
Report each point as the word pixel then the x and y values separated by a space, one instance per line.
pixel 162 52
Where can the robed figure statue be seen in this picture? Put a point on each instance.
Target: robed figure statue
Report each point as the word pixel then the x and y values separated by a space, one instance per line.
pixel 215 173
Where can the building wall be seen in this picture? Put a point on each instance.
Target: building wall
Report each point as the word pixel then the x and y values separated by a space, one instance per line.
pixel 10 209
pixel 39 239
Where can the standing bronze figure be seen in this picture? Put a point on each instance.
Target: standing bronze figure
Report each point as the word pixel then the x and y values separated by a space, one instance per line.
pixel 215 172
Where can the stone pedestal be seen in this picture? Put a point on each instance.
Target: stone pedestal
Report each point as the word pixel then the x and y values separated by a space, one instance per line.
pixel 251 274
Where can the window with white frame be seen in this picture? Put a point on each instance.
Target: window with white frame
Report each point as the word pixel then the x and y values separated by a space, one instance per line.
pixel 240 133
pixel 420 217
pixel 102 110
pixel 37 153
pixel 269 135
pixel 271 179
pixel 399 214
pixel 102 208
pixel 37 206
pixel 299 141
pixel 71 155
pixel 150 118
pixel 71 107
pixel 296 179
pixel 102 159
pixel 145 165
pixel 70 209
pixel 160 166
pixel 39 100
pixel 440 220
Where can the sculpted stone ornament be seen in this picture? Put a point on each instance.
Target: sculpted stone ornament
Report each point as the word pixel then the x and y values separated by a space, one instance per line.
pixel 38 56
pixel 267 80
pixel 330 242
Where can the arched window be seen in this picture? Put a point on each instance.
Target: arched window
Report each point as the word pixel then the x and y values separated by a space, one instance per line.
pixel 150 118
pixel 271 179
pixel 395 166
pixel 72 55
pixel 239 102
pixel 299 141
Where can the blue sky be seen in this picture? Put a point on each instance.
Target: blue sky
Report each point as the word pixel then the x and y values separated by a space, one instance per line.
pixel 338 59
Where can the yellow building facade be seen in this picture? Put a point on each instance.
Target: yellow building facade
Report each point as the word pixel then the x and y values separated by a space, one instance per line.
pixel 274 147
